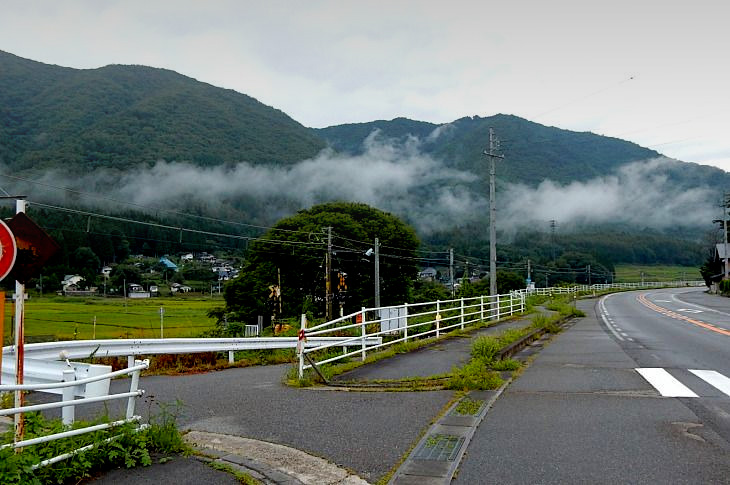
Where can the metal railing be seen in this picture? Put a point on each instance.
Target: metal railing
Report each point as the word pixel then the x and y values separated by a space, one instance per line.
pixel 404 322
pixel 69 387
pixel 561 290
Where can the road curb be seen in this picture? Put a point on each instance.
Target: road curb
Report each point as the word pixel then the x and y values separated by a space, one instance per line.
pixel 277 464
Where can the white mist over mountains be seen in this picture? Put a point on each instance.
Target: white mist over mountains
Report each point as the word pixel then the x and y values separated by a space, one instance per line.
pixel 400 178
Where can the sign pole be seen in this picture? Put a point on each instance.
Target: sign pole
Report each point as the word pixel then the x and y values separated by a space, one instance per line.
pixel 2 330
pixel 19 343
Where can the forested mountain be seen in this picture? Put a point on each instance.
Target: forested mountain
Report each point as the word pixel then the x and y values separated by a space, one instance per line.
pixel 533 152
pixel 253 163
pixel 122 116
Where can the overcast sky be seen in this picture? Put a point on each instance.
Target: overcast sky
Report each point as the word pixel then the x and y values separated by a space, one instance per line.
pixel 653 72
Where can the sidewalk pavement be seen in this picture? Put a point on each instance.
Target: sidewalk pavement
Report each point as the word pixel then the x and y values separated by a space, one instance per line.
pixel 273 463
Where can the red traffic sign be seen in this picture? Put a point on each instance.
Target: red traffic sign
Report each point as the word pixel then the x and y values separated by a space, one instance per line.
pixel 8 250
pixel 35 247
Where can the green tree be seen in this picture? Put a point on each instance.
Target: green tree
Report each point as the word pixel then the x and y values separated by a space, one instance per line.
pixel 86 263
pixel 124 273
pixel 295 250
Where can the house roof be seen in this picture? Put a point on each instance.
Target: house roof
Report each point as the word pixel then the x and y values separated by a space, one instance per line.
pixel 168 263
pixel 720 248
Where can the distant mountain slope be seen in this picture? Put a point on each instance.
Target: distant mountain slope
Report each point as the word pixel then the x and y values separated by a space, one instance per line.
pixel 121 116
pixel 533 152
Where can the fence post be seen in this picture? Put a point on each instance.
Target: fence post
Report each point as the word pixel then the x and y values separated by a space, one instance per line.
pixel 462 313
pixel 363 332
pixel 133 387
pixel 438 318
pixel 481 308
pixel 300 346
pixel 405 319
pixel 499 309
pixel 67 412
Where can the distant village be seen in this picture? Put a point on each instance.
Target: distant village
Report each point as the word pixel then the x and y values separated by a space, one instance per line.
pixel 159 276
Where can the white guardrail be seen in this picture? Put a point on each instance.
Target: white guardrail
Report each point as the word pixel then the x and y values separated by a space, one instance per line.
pixel 405 321
pixel 430 319
pixel 69 388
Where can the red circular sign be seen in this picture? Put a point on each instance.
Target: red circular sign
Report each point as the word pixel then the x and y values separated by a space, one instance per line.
pixel 8 250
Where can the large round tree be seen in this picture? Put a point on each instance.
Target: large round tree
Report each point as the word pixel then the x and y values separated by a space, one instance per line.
pixel 295 251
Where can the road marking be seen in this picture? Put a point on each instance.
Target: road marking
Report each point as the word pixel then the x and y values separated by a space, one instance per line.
pixel 605 317
pixel 689 310
pixel 707 309
pixel 714 378
pixel 666 312
pixel 665 383
pixel 663 301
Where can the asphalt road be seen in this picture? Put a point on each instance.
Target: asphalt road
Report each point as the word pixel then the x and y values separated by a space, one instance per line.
pixel 582 413
pixel 366 432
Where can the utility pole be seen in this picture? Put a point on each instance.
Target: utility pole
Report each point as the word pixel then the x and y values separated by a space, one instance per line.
pixel 492 212
pixel 528 270
pixel 328 275
pixel 724 219
pixel 588 269
pixel 377 273
pixel 553 225
pixel 451 271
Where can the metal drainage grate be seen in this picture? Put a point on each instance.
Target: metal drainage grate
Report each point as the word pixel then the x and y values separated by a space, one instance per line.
pixel 440 447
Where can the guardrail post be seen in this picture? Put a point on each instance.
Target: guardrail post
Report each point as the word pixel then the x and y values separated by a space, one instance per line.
pixel 438 318
pixel 405 319
pixel 231 357
pixel 462 313
pixel 363 332
pixel 133 386
pixel 67 412
pixel 300 347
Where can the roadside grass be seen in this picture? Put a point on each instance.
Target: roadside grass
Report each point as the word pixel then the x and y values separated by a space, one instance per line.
pixel 70 318
pixel 631 273
pixel 118 447
pixel 242 477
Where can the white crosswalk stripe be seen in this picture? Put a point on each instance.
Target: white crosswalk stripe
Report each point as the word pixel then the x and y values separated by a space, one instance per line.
pixel 665 383
pixel 669 386
pixel 713 378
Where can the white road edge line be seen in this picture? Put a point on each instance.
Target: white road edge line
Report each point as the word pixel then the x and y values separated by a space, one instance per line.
pixel 713 378
pixel 604 316
pixel 665 383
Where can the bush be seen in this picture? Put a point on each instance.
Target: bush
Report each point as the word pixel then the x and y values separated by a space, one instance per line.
pixel 475 375
pixel 485 348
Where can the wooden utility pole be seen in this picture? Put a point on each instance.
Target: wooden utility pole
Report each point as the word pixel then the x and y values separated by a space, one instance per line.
pixel 328 276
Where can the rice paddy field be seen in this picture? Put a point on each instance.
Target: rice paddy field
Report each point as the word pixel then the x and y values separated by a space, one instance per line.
pixel 626 273
pixel 68 318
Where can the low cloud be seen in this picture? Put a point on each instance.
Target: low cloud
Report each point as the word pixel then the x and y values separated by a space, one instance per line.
pixel 641 194
pixel 399 178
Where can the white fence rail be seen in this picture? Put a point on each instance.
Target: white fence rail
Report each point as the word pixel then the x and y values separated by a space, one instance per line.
pixel 560 290
pixel 69 388
pixel 404 322
pixel 430 319
pixel 84 349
